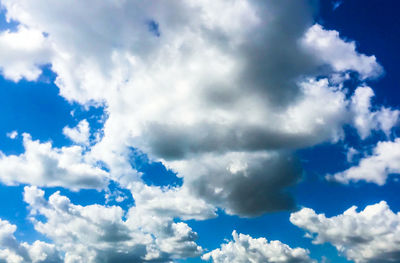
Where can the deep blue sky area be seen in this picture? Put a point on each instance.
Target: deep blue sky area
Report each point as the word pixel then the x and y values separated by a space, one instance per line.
pixel 36 108
pixel 374 25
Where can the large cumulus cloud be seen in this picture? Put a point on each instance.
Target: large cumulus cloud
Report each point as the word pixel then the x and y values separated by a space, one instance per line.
pixel 187 82
pixel 220 92
pixel 98 233
pixel 368 236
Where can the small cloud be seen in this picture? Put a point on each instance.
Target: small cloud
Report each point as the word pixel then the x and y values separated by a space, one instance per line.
pixel 154 28
pixel 336 4
pixel 79 134
pixel 351 153
pixel 12 135
pixel 325 260
pixel 116 195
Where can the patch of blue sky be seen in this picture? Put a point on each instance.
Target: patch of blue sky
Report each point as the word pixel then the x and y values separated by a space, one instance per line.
pixel 153 173
pixel 118 196
pixel 4 24
pixel 13 209
pixel 154 27
pixel 36 108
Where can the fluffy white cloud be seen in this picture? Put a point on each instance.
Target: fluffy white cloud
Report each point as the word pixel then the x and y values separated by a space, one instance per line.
pixel 245 249
pixel 221 92
pixel 327 46
pixel 366 120
pixel 79 134
pixel 11 251
pixel 187 81
pixel 43 165
pixel 375 168
pixel 96 233
pixel 169 202
pixel 23 52
pixel 369 236
pixel 12 135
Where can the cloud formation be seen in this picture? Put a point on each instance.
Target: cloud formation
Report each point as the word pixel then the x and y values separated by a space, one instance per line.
pixel 222 93
pixel 11 251
pixel 43 165
pixel 96 233
pixel 79 134
pixel 23 52
pixel 369 236
pixel 365 119
pixel 375 168
pixel 186 81
pixel 244 248
pixel 330 49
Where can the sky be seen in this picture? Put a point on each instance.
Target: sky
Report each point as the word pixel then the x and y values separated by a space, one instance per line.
pixel 199 131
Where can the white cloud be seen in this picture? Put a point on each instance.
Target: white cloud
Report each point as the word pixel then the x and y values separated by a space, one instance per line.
pixel 369 236
pixel 96 233
pixel 375 168
pixel 351 153
pixel 366 120
pixel 22 53
pixel 245 249
pixel 43 165
pixel 11 251
pixel 12 135
pixel 169 202
pixel 79 134
pixel 327 46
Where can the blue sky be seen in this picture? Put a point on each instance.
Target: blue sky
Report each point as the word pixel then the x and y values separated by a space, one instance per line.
pixel 137 132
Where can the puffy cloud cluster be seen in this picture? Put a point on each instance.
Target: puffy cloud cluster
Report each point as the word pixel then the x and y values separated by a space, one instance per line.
pixel 221 92
pixel 244 249
pixel 369 236
pixel 11 251
pixel 12 135
pixel 23 52
pixel 96 233
pixel 43 165
pixel 202 87
pixel 375 168
pixel 327 46
pixel 366 120
pixel 169 202
pixel 79 134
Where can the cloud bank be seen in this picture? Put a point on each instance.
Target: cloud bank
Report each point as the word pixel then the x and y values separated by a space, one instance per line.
pixel 369 236
pixel 96 233
pixel 185 85
pixel 11 251
pixel 221 93
pixel 244 248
